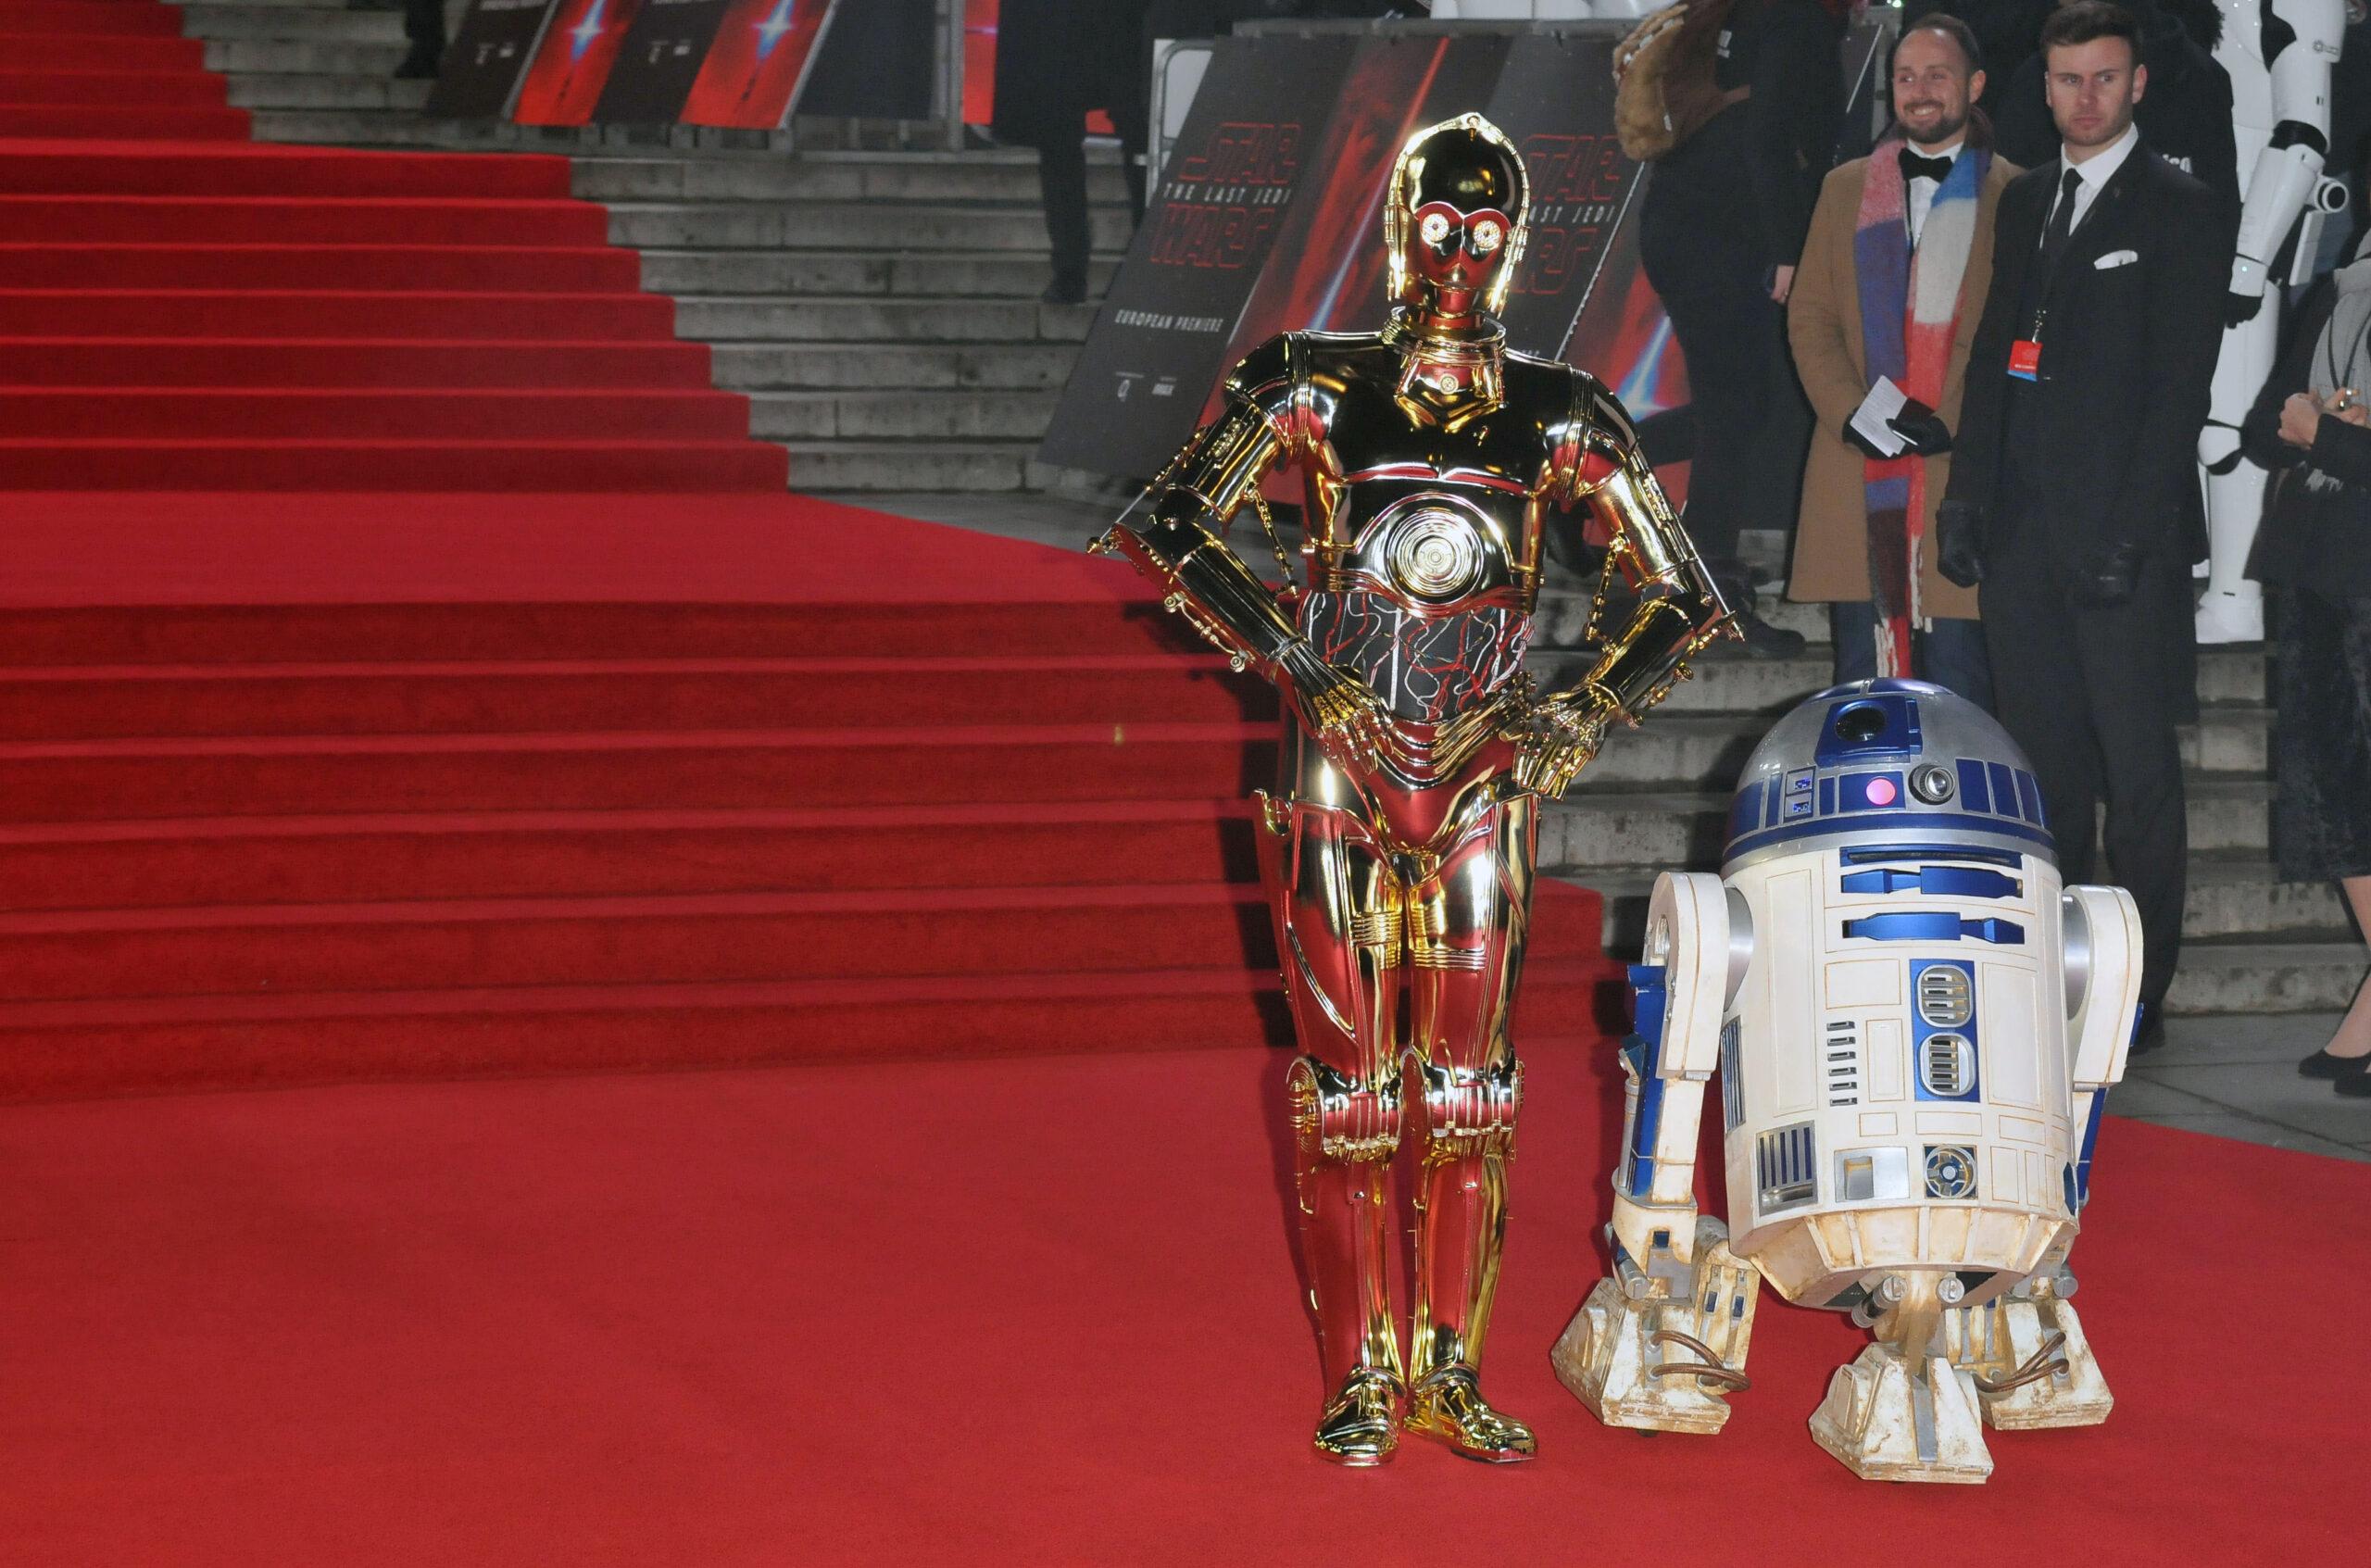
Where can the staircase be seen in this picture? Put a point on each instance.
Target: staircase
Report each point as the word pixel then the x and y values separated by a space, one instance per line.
pixel 879 309
pixel 1658 798
pixel 254 843
pixel 879 312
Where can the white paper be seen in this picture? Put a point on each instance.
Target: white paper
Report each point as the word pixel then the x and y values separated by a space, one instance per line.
pixel 1884 400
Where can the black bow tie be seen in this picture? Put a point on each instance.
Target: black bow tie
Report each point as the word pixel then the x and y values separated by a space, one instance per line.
pixel 1913 167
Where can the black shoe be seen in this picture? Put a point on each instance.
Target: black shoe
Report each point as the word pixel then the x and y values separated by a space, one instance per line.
pixel 1759 639
pixel 2357 1084
pixel 2152 1032
pixel 2321 1064
pixel 420 65
pixel 1064 291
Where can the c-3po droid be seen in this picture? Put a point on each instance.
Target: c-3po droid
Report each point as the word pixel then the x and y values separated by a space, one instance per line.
pixel 1398 846
pixel 1914 1027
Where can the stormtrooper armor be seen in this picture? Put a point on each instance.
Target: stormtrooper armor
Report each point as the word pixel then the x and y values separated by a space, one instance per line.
pixel 1397 846
pixel 1914 1027
pixel 2279 54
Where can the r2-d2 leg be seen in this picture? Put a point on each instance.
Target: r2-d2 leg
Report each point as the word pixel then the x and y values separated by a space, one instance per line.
pixel 2027 1351
pixel 1662 1342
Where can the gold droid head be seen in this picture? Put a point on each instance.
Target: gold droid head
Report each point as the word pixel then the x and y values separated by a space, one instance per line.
pixel 1454 222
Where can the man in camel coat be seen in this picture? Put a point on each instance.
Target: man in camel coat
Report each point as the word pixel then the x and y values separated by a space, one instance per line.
pixel 1887 299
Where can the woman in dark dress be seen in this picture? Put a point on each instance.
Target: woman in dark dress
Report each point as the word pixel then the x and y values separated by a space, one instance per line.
pixel 2310 427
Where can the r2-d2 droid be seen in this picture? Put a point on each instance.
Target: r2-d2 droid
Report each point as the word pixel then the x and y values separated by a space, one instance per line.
pixel 1916 1027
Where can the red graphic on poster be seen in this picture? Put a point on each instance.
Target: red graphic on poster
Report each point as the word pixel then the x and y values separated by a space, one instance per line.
pixel 754 69
pixel 574 64
pixel 979 61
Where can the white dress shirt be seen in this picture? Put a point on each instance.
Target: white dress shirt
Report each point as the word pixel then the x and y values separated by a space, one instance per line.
pixel 1921 190
pixel 2094 173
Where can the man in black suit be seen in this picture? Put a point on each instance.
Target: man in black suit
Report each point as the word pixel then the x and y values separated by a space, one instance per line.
pixel 2087 386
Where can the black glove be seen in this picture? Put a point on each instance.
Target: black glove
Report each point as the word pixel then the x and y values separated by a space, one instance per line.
pixel 2239 308
pixel 1959 541
pixel 1922 428
pixel 2107 577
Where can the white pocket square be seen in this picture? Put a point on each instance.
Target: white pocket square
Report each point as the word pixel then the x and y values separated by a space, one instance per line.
pixel 2115 259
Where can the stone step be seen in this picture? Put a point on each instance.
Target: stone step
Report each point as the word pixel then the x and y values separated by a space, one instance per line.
pixel 1611 826
pixel 859 466
pixel 250 90
pixel 971 179
pixel 974 275
pixel 841 226
pixel 2231 898
pixel 899 415
pixel 294 57
pixel 2260 977
pixel 744 367
pixel 859 318
pixel 308 24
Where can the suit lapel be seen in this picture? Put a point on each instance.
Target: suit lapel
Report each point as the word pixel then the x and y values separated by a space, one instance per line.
pixel 2104 224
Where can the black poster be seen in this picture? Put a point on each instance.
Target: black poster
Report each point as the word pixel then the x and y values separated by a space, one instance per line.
pixel 664 48
pixel 1161 341
pixel 486 58
pixel 1329 271
pixel 876 63
pixel 1555 101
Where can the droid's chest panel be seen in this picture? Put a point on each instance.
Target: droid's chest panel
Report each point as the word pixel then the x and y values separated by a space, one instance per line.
pixel 1427 668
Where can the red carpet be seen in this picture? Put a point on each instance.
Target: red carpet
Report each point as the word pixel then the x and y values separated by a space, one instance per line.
pixel 181 310
pixel 110 68
pixel 588 782
pixel 1035 1312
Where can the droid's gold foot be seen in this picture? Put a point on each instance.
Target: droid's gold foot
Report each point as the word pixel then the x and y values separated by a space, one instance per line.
pixel 1361 1425
pixel 1447 1405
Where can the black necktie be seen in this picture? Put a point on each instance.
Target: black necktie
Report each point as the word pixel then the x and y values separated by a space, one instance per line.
pixel 2062 222
pixel 1916 168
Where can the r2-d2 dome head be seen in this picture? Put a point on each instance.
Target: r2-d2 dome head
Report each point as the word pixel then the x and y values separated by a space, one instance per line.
pixel 1885 763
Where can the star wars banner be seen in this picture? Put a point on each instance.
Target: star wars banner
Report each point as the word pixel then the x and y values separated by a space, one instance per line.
pixel 487 57
pixel 572 63
pixel 1159 344
pixel 764 54
pixel 663 48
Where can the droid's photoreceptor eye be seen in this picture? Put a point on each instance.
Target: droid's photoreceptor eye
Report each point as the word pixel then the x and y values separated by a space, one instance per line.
pixel 1859 723
pixel 1931 784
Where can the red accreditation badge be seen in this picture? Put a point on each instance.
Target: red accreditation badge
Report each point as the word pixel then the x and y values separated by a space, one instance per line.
pixel 2025 360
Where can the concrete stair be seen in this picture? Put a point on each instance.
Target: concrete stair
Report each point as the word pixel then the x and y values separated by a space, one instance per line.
pixel 880 310
pixel 1656 797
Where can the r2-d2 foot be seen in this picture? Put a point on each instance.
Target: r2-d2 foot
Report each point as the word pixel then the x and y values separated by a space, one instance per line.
pixel 1659 1360
pixel 2030 1361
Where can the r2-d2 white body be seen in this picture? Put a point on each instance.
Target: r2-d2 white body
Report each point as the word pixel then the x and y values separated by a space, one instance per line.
pixel 1915 1026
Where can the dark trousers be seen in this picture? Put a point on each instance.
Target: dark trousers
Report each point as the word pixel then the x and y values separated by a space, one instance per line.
pixel 1951 654
pixel 2086 694
pixel 1751 422
pixel 1061 181
pixel 424 25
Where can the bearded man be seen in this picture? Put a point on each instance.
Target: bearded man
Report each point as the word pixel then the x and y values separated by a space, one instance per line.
pixel 1893 277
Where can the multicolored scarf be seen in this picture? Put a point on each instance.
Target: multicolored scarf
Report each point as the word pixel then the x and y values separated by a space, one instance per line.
pixel 1908 315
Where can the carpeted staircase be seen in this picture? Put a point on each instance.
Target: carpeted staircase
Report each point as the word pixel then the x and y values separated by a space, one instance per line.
pixel 181 309
pixel 112 68
pixel 905 791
